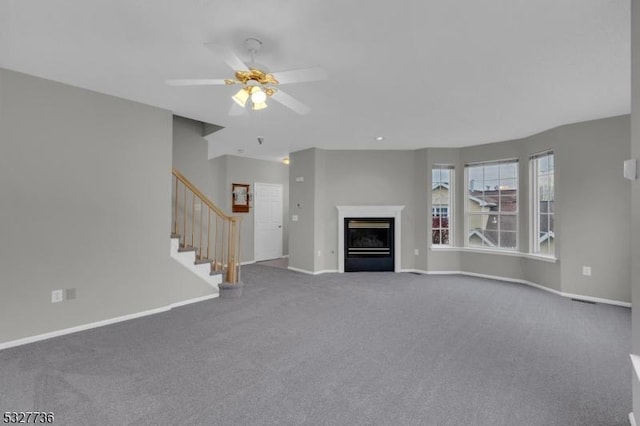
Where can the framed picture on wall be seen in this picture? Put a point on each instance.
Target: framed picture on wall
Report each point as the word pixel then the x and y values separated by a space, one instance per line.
pixel 239 198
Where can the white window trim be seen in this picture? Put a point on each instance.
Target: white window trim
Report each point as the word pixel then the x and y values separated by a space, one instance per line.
pixel 534 225
pixel 502 252
pixel 496 250
pixel 452 202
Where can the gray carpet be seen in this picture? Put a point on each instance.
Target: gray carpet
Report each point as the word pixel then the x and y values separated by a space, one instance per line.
pixel 349 349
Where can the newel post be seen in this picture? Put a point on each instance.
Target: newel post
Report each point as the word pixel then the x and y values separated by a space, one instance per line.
pixel 232 287
pixel 234 250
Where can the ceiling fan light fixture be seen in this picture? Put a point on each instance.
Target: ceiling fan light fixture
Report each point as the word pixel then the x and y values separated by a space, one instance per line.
pixel 258 96
pixel 258 106
pixel 241 97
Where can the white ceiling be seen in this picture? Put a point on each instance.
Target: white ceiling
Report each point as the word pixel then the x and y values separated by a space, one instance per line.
pixel 422 73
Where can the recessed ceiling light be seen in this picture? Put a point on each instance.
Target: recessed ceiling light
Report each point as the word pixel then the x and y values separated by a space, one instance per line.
pixel 379 138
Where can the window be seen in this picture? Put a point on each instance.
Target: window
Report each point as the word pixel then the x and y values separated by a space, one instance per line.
pixel 441 205
pixel 440 211
pixel 492 204
pixel 542 203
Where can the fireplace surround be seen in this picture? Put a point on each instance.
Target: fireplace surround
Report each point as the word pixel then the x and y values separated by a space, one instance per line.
pixel 371 212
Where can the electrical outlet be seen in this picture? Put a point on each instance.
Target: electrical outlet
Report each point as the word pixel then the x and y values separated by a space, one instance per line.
pixel 417 252
pixel 319 253
pixel 299 178
pixel 57 296
pixel 70 294
pixel 294 218
pixel 586 271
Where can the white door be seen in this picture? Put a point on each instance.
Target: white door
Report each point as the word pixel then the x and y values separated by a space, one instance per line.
pixel 267 213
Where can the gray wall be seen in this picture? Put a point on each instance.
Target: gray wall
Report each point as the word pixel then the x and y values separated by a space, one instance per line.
pixel 367 178
pixel 85 184
pixel 333 178
pixel 422 207
pixel 214 178
pixel 590 192
pixel 190 158
pixel 635 197
pixel 302 234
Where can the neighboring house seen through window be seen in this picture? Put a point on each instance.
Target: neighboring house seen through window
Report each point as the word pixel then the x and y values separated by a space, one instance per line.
pixel 441 205
pixel 492 205
pixel 542 203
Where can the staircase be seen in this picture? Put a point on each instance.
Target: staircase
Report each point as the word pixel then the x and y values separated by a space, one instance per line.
pixel 204 239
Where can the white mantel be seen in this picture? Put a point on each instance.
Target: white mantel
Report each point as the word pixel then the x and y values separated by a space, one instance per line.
pixel 371 211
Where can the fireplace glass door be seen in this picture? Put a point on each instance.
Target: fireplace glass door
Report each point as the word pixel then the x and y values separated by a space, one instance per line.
pixel 368 244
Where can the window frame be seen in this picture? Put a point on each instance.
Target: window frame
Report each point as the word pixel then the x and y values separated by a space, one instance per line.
pixel 534 210
pixel 516 214
pixel 441 209
pixel 451 206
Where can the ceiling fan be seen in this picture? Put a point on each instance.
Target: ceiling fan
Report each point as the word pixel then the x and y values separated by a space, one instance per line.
pixel 256 84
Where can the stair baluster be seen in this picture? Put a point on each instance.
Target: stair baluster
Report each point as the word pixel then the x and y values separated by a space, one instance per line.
pixel 224 235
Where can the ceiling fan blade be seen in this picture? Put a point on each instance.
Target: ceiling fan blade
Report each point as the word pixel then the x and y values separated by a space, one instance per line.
pixel 290 102
pixel 229 58
pixel 195 82
pixel 305 74
pixel 236 110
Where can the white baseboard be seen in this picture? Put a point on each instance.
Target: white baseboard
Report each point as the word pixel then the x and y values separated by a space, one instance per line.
pixel 304 271
pixel 414 271
pixel 532 284
pixel 632 420
pixel 83 327
pixel 249 262
pixel 443 272
pixel 492 277
pixel 194 300
pixel 597 299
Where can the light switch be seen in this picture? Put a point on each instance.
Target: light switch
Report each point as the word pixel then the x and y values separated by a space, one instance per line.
pixel 294 218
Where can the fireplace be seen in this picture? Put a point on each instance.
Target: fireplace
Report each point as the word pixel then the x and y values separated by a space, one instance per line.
pixel 371 212
pixel 368 244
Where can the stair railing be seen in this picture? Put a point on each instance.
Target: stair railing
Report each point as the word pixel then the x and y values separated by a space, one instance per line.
pixel 203 227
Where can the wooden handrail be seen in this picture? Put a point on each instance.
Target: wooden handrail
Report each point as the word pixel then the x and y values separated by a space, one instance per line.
pixel 227 239
pixel 200 195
